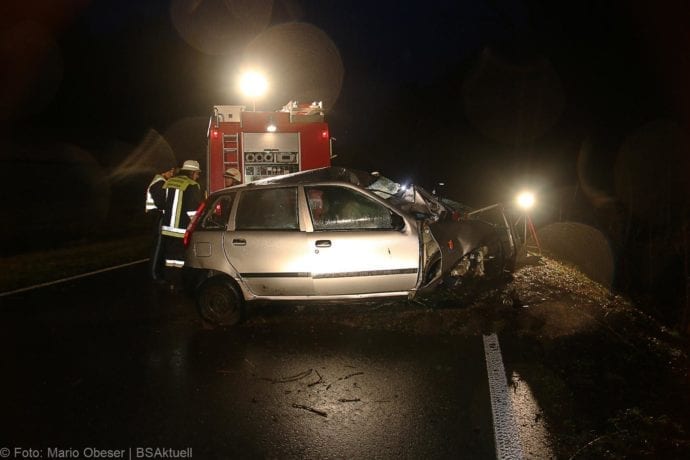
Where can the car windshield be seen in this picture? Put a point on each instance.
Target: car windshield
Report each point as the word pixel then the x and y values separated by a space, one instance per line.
pixel 411 198
pixel 384 187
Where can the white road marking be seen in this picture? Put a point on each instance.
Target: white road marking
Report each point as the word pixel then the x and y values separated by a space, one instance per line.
pixel 506 434
pixel 63 280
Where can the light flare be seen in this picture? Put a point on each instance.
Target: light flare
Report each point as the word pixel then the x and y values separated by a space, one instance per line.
pixel 525 200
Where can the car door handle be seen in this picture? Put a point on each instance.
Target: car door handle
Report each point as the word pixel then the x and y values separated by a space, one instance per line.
pixel 323 243
pixel 239 242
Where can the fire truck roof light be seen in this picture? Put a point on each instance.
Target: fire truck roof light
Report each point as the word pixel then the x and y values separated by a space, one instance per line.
pixel 271 127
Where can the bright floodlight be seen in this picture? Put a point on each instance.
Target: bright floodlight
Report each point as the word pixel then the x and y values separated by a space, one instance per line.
pixel 525 200
pixel 253 84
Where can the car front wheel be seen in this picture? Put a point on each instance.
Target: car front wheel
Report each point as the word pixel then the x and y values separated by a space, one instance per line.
pixel 220 302
pixel 494 261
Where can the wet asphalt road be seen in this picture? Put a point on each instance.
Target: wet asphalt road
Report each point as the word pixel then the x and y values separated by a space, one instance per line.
pixel 112 362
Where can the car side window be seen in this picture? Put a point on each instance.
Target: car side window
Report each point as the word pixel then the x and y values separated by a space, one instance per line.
pixel 341 208
pixel 217 214
pixel 268 209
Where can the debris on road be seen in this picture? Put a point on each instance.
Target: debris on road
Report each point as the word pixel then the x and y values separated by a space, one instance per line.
pixel 310 409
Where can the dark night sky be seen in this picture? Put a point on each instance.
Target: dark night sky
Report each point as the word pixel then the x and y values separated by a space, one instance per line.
pixel 484 95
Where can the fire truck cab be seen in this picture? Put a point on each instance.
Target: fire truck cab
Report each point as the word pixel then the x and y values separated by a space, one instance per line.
pixel 265 144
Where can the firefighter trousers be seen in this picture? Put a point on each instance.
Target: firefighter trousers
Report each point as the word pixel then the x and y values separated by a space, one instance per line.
pixel 156 262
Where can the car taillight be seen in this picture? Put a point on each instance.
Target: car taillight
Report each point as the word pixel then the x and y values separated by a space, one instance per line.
pixel 192 224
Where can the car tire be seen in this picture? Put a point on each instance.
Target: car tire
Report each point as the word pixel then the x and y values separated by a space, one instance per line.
pixel 219 302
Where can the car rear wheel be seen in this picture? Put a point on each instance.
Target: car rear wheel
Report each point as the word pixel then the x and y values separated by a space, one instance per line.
pixel 220 302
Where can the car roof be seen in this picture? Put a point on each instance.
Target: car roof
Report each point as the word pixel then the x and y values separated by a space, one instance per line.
pixel 327 174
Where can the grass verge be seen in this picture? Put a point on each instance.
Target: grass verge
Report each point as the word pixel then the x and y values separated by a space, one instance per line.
pixel 32 268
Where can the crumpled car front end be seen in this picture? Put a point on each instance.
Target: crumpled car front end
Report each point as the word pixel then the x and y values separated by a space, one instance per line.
pixel 470 249
pixel 457 243
pixel 432 260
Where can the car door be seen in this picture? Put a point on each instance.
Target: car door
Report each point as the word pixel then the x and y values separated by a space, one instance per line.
pixel 359 245
pixel 266 245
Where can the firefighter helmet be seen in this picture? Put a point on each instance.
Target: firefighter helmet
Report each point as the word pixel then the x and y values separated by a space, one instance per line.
pixel 191 165
pixel 234 173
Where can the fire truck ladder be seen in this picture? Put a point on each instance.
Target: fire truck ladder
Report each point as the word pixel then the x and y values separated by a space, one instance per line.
pixel 230 146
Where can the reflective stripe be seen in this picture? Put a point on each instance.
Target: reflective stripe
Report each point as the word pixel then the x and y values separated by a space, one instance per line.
pixel 173 229
pixel 177 185
pixel 175 218
pixel 174 263
pixel 150 204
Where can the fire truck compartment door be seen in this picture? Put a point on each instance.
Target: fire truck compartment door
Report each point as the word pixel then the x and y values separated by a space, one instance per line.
pixel 281 142
pixel 270 154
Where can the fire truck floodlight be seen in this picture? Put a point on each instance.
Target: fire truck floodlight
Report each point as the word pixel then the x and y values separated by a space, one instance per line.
pixel 525 200
pixel 253 85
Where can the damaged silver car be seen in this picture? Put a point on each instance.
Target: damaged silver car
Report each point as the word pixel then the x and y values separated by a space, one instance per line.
pixel 334 234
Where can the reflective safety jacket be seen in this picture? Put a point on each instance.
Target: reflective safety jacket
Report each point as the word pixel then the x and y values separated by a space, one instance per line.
pixel 183 196
pixel 155 195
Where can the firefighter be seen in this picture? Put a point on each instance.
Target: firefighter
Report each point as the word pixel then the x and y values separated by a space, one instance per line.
pixel 232 177
pixel 183 196
pixel 155 205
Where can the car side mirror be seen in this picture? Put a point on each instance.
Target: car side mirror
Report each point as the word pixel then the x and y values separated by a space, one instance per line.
pixel 397 221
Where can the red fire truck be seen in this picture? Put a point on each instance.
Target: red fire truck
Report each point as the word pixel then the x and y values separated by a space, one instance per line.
pixel 264 144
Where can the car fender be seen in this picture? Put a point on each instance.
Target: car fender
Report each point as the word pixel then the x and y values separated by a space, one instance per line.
pixel 458 238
